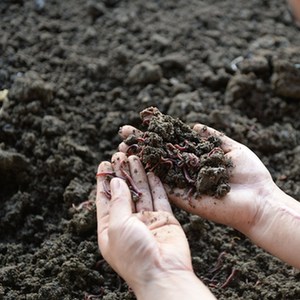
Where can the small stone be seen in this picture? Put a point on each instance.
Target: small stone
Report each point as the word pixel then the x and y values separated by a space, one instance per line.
pixel 145 72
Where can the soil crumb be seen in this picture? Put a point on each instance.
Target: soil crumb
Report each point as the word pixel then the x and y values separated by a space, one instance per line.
pixel 180 156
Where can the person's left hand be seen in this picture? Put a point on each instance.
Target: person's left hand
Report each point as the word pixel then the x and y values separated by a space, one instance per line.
pixel 141 240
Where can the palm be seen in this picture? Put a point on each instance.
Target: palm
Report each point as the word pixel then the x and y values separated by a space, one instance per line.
pixel 145 242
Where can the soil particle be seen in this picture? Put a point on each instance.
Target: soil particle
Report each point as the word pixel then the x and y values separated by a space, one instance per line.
pixel 286 79
pixel 173 61
pixel 240 86
pixel 84 220
pixel 95 9
pixel 259 65
pixel 145 72
pixel 12 162
pixel 76 192
pixel 160 41
pixel 29 87
pixel 52 126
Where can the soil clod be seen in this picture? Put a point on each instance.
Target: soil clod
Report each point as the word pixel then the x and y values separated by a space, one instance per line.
pixel 180 156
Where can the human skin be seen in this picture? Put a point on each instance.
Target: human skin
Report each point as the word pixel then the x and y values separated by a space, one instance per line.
pixel 255 205
pixel 295 8
pixel 143 241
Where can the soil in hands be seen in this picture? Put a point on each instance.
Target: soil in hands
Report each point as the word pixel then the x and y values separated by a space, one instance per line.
pixel 180 156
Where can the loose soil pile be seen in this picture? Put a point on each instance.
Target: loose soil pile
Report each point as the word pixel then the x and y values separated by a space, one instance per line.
pixel 76 70
pixel 180 156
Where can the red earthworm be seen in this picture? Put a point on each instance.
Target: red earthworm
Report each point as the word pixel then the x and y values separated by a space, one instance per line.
pixel 131 182
pixel 229 278
pixel 187 176
pixel 107 173
pixel 215 150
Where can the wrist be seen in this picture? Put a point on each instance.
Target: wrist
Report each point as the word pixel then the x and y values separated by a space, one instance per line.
pixel 173 285
pixel 270 201
pixel 250 215
pixel 276 226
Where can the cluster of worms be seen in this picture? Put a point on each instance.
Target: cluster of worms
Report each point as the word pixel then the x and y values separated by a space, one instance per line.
pixel 179 156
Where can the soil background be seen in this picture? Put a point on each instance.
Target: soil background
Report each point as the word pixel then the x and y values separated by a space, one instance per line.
pixel 76 70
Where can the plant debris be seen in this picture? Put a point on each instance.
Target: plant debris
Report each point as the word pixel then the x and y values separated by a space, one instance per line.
pixel 179 156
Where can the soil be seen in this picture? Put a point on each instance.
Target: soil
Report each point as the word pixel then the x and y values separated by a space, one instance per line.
pixel 180 156
pixel 76 70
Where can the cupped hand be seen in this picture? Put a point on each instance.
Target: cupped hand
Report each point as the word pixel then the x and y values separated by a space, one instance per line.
pixel 141 240
pixel 250 183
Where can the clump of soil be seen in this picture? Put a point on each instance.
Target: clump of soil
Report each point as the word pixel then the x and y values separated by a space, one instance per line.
pixel 180 156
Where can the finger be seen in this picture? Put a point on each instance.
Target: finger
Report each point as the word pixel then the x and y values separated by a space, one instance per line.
pixel 120 164
pixel 120 203
pixel 140 180
pixel 159 195
pixel 123 147
pixel 127 130
pixel 102 201
pixel 205 131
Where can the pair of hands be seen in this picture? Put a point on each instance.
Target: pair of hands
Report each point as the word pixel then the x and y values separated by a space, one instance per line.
pixel 143 241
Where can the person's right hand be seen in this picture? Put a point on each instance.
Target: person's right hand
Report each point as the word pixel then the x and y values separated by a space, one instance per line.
pixel 250 183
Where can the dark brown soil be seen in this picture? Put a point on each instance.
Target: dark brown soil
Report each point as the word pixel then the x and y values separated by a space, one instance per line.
pixel 76 70
pixel 180 156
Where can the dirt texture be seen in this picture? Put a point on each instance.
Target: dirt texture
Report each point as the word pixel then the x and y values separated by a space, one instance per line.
pixel 179 156
pixel 76 70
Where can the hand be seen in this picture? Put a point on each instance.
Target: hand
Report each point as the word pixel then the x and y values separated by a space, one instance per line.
pixel 250 183
pixel 294 6
pixel 255 205
pixel 142 241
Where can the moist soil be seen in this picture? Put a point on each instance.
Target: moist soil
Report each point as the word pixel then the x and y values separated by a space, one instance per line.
pixel 77 70
pixel 180 156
